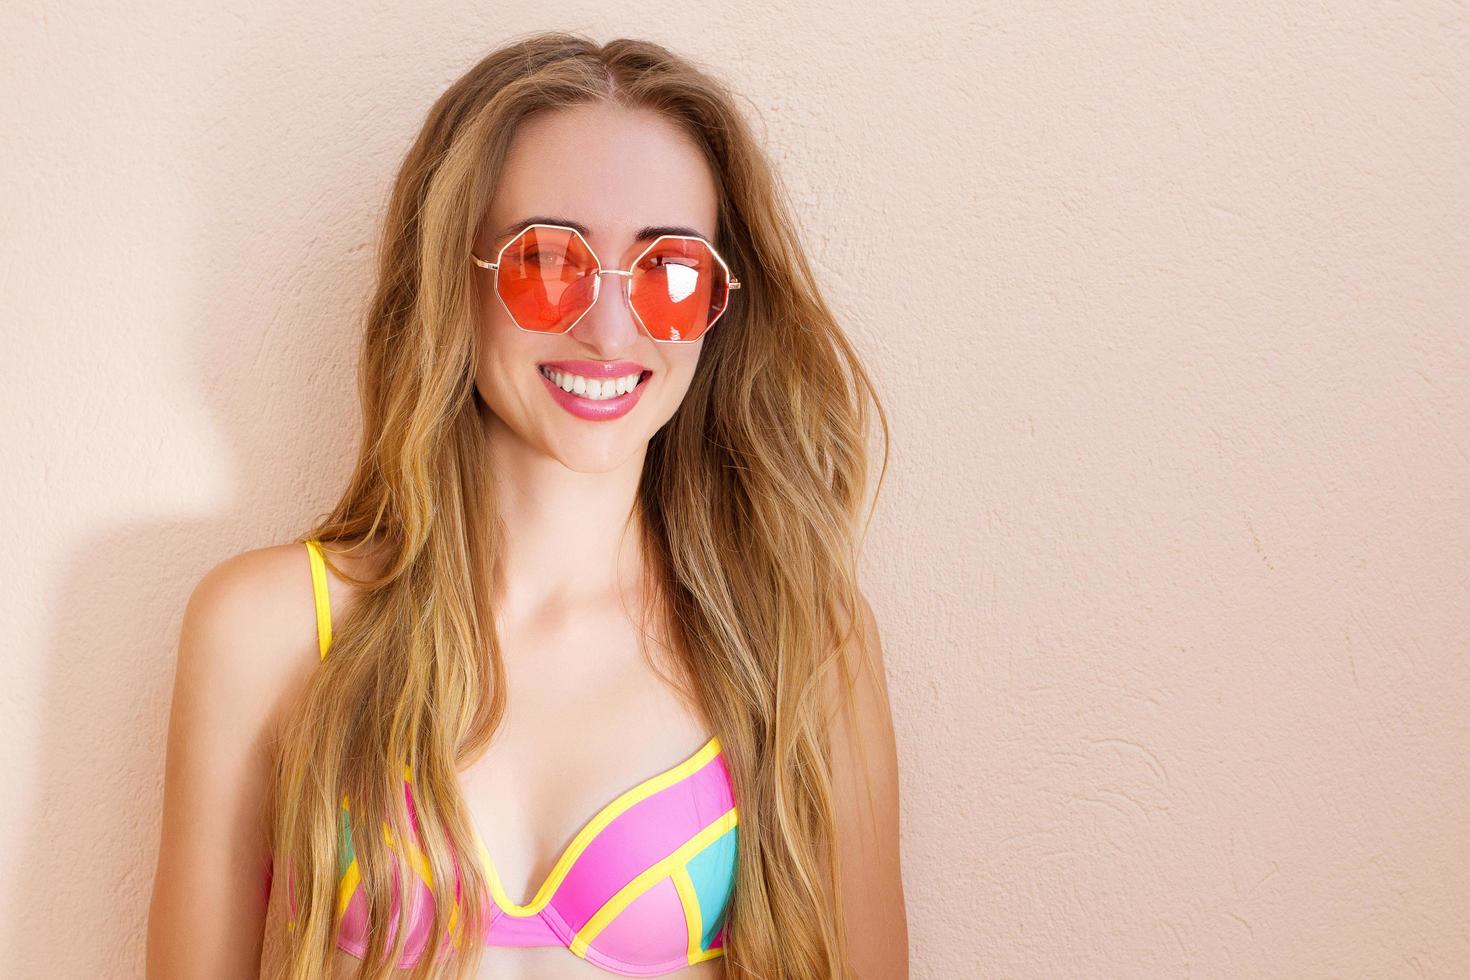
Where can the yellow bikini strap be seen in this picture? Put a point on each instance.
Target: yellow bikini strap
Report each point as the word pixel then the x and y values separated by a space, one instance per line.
pixel 319 591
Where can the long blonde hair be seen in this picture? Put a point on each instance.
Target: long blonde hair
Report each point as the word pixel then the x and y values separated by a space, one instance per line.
pixel 750 498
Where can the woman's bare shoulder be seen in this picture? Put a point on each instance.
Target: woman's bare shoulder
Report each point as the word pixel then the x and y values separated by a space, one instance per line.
pixel 251 618
pixel 249 631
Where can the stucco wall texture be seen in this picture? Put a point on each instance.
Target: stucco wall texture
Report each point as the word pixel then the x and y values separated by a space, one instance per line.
pixel 1168 307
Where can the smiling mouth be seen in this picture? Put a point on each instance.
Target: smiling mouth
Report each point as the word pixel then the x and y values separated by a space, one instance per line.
pixel 593 389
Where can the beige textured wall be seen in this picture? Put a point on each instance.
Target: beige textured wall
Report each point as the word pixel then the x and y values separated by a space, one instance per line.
pixel 1172 558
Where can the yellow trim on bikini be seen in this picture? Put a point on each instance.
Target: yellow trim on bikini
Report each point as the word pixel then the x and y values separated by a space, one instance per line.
pixel 589 832
pixel 693 917
pixel 420 862
pixel 347 886
pixel 634 889
pixel 320 593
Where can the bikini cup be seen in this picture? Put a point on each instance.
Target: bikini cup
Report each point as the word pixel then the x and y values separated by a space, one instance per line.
pixel 642 889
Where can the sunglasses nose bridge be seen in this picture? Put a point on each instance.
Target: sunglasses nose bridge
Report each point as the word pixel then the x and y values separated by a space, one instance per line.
pixel 592 304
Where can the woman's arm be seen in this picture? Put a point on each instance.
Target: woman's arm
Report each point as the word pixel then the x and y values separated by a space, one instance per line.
pixel 865 790
pixel 245 641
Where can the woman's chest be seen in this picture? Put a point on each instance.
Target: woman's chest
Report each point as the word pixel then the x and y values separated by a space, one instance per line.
pixel 642 888
pixel 606 828
pixel 591 712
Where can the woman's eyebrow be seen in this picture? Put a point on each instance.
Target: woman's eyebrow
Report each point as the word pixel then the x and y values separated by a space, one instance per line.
pixel 648 231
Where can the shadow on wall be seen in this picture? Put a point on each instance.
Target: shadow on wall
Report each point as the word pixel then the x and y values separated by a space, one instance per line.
pixel 280 265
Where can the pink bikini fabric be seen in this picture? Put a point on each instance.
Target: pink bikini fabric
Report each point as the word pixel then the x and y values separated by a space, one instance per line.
pixel 644 893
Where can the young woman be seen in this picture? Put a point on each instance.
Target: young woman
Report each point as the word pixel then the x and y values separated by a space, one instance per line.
pixel 578 665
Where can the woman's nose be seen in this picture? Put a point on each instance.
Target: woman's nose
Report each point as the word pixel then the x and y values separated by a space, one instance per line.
pixel 610 324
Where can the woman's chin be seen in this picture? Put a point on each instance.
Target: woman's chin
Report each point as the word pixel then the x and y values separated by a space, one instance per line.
pixel 598 455
pixel 582 438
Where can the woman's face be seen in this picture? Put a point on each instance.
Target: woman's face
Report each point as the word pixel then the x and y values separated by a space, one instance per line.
pixel 618 173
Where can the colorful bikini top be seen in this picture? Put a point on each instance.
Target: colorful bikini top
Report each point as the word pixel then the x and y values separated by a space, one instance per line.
pixel 643 889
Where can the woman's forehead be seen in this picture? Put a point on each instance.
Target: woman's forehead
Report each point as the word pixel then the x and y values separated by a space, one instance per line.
pixel 609 171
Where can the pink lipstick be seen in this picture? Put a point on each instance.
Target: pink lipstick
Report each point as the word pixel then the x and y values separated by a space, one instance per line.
pixel 595 409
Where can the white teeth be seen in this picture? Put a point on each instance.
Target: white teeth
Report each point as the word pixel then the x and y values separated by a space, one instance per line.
pixel 593 389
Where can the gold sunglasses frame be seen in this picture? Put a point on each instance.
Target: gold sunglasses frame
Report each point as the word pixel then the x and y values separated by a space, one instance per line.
pixel 597 282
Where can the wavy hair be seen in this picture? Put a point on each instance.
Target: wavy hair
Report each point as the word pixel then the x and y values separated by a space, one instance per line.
pixel 750 502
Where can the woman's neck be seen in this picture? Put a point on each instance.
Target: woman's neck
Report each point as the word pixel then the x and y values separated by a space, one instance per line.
pixel 566 536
